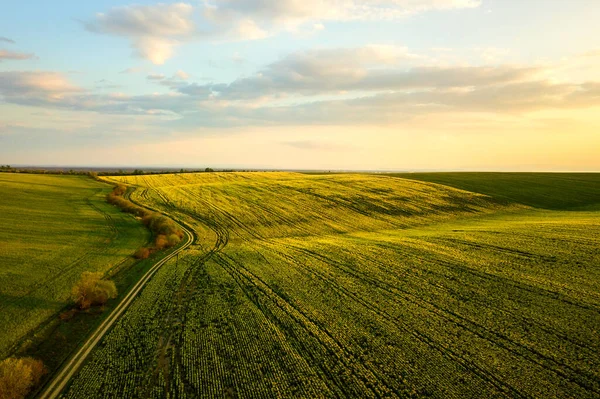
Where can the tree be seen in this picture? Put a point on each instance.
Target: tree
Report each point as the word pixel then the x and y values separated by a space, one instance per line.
pixel 173 240
pixel 209 170
pixel 161 241
pixel 91 290
pixel 18 376
pixel 142 253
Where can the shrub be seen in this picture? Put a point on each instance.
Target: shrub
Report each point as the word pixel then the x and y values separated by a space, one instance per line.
pixel 18 376
pixel 91 290
pixel 167 233
pixel 174 240
pixel 142 253
pixel 120 190
pixel 161 242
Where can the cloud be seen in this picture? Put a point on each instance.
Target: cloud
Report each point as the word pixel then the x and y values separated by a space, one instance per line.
pixel 155 76
pixel 106 84
pixel 182 75
pixel 156 50
pixel 383 108
pixel 363 69
pixel 154 30
pixel 251 19
pixel 6 40
pixel 293 12
pixel 393 108
pixel 175 82
pixel 145 21
pixel 11 55
pixel 348 86
pixel 35 85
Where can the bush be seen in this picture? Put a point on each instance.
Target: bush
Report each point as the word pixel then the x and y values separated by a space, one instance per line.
pixel 19 376
pixel 167 233
pixel 91 290
pixel 174 240
pixel 161 242
pixel 120 190
pixel 142 253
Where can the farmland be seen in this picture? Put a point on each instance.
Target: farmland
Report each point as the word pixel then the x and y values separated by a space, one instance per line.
pixel 361 286
pixel 542 190
pixel 52 229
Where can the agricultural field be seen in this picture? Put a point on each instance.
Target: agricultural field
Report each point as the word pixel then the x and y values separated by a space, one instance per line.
pixel 52 229
pixel 541 190
pixel 363 286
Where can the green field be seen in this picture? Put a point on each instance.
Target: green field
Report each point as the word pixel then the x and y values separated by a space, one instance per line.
pixel 52 229
pixel 555 191
pixel 362 286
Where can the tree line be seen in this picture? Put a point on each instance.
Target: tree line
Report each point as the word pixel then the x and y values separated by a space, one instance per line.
pixel 101 172
pixel 166 233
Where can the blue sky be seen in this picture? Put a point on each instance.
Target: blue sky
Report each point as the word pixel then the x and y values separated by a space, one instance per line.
pixel 339 84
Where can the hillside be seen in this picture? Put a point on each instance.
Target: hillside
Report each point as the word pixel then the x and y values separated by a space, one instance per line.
pixel 271 204
pixel 357 286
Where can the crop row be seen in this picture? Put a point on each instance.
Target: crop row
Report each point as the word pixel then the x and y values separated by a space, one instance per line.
pixel 291 299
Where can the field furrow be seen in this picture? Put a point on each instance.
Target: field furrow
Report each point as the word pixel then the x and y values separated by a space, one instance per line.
pixel 346 285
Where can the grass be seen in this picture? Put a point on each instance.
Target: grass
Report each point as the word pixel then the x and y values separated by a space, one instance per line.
pixel 557 191
pixel 52 229
pixel 358 286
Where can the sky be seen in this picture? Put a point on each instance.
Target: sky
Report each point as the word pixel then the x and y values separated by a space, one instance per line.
pixel 506 85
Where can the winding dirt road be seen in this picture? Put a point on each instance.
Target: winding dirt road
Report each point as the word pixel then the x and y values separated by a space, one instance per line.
pixel 62 378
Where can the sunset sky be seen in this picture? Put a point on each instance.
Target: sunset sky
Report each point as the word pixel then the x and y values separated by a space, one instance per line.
pixel 302 84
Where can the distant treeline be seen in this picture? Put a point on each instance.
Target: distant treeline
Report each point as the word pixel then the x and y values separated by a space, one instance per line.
pixel 166 233
pixel 100 172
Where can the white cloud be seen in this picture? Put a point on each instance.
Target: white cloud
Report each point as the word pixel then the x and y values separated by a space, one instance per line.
pixel 364 69
pixel 364 85
pixel 6 40
pixel 36 88
pixel 182 75
pixel 258 18
pixel 154 30
pixel 145 21
pixel 156 50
